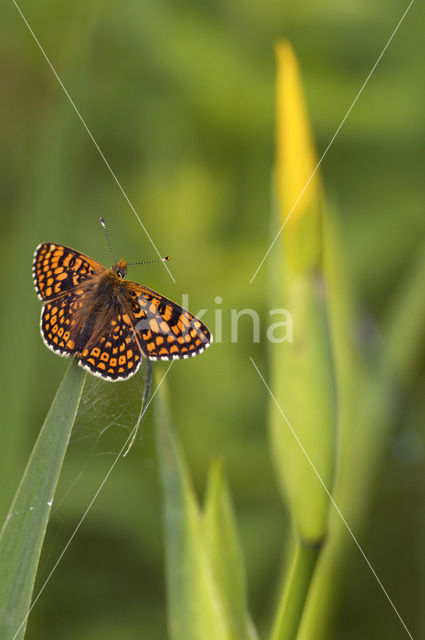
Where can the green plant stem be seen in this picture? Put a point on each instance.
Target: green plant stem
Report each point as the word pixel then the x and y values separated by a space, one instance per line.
pixel 22 535
pixel 296 590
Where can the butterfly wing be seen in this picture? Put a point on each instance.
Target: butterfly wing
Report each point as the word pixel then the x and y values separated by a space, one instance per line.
pixel 117 354
pixel 58 269
pixel 164 329
pixel 57 318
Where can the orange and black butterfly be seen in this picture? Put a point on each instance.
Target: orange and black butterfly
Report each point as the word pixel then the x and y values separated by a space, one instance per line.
pixel 109 323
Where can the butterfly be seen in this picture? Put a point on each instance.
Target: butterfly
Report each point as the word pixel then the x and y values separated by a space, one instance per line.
pixel 109 323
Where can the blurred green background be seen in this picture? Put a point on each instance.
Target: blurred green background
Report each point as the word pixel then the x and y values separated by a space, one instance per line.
pixel 180 98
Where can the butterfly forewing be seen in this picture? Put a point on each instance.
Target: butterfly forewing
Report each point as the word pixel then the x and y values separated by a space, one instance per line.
pixel 58 269
pixel 165 330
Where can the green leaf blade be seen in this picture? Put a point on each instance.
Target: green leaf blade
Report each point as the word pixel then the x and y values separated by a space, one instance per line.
pixel 225 555
pixel 197 585
pixel 187 572
pixel 23 532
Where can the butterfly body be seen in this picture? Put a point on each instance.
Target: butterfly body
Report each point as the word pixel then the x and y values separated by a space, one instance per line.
pixel 103 296
pixel 109 323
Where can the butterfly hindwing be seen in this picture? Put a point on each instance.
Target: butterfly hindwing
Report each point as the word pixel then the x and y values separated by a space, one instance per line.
pixel 165 330
pixel 116 355
pixel 57 318
pixel 58 269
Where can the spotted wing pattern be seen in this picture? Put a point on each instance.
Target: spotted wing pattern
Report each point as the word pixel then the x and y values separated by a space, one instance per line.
pixel 108 323
pixel 58 269
pixel 56 322
pixel 165 330
pixel 116 355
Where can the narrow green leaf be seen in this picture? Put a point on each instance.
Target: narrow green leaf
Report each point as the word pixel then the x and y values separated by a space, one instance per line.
pixel 365 427
pixel 292 604
pixel 404 329
pixel 193 604
pixel 197 600
pixel 23 532
pixel 225 554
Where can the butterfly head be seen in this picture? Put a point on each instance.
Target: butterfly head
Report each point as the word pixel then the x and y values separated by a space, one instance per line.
pixel 120 268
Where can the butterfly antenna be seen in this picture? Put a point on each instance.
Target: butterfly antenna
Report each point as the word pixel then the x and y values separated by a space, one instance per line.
pixel 133 264
pixel 102 222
